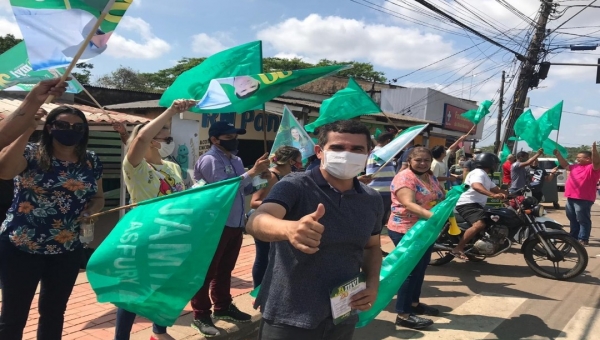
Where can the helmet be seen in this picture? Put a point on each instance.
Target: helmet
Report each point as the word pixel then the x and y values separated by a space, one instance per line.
pixel 487 160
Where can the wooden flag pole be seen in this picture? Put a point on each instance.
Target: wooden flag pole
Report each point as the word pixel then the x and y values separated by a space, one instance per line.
pixel 97 104
pixel 264 116
pixel 381 167
pixel 390 120
pixel 84 45
pixel 113 210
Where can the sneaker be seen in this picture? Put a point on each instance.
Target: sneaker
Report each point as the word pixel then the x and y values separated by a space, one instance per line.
pixel 423 309
pixel 414 322
pixel 206 327
pixel 233 314
pixel 584 243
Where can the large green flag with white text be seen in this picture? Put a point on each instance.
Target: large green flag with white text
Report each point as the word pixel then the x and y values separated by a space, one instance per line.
pixel 241 60
pixel 402 260
pixel 156 258
pixel 250 92
pixel 17 74
pixel 345 104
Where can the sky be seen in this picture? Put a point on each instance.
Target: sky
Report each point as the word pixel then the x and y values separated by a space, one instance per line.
pixel 397 36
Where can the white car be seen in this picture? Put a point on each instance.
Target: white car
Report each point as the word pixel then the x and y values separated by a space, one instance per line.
pixel 550 163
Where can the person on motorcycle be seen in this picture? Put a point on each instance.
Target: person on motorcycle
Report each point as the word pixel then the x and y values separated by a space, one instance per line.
pixel 471 203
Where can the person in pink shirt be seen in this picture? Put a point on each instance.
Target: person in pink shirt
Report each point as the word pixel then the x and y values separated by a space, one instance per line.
pixel 580 191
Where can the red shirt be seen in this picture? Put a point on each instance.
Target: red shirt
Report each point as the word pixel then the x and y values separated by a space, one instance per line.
pixel 506 172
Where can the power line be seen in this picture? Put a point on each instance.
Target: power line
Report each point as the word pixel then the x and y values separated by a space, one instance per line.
pixel 571 112
pixel 574 15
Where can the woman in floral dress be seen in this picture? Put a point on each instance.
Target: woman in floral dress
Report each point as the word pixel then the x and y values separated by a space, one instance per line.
pixel 147 175
pixel 414 191
pixel 58 182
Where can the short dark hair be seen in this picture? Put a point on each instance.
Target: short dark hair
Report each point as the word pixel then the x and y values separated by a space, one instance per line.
pixel 344 126
pixel 437 151
pixel 417 150
pixel 385 137
pixel 587 154
pixel 522 154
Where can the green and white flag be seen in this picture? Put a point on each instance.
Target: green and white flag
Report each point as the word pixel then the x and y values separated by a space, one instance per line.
pixel 389 151
pixel 16 73
pixel 345 104
pixel 156 258
pixel 54 30
pixel 291 133
pixel 250 92
pixel 241 60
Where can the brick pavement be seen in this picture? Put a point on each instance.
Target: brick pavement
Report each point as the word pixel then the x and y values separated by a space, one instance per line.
pixel 86 319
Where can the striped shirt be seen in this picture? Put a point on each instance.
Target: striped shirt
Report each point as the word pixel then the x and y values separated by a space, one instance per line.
pixel 383 180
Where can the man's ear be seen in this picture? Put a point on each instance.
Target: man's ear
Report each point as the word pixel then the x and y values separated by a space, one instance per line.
pixel 318 151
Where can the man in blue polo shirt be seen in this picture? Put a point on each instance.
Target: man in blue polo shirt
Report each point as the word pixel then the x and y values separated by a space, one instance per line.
pixel 324 227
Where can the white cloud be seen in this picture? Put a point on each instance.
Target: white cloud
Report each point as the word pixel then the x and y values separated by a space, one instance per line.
pixel 8 26
pixel 342 39
pixel 151 46
pixel 206 45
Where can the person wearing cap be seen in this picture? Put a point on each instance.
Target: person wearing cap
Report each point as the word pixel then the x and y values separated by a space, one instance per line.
pixel 220 163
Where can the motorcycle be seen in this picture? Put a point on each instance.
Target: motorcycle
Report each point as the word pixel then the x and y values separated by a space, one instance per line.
pixel 523 221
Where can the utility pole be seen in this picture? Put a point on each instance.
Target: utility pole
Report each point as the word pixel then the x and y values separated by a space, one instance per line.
pixel 500 110
pixel 528 69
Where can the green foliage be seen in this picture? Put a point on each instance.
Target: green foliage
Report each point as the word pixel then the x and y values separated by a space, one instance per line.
pixel 164 78
pixel 125 78
pixel 84 74
pixel 273 64
pixel 364 71
pixel 7 42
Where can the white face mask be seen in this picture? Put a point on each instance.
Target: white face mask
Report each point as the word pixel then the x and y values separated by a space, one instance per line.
pixel 166 149
pixel 344 164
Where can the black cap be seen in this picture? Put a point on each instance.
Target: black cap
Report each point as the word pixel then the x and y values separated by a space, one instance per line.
pixel 224 128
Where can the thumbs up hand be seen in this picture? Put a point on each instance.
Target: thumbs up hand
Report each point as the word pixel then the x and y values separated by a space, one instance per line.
pixel 306 234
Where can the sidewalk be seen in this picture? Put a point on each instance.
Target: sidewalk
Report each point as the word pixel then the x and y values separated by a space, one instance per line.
pixel 86 319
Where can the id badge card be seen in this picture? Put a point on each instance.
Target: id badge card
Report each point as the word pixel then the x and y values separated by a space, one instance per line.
pixel 229 169
pixel 340 298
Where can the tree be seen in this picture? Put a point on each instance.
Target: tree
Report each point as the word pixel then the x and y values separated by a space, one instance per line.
pixel 274 64
pixel 165 77
pixel 364 71
pixel 84 75
pixel 7 42
pixel 125 78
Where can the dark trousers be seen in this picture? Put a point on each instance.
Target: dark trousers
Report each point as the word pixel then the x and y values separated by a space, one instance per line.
pixel 538 195
pixel 387 207
pixel 410 291
pixel 20 273
pixel 124 323
pixel 261 261
pixel 218 277
pixel 325 331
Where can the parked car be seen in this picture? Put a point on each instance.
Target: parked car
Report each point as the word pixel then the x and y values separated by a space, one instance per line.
pixel 550 163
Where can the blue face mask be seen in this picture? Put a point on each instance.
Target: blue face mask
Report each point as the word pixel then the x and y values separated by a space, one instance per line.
pixel 67 137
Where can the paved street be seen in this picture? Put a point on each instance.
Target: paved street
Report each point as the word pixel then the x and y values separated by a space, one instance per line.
pixel 496 299
pixel 502 299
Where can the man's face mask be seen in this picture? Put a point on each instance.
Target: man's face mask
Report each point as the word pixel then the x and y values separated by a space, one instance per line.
pixel 343 164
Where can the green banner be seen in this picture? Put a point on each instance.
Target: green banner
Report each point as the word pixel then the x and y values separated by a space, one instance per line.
pixel 345 104
pixel 241 60
pixel 16 73
pixel 156 258
pixel 390 151
pixel 475 116
pixel 402 260
pixel 250 92
pixel 291 133
pixel 550 120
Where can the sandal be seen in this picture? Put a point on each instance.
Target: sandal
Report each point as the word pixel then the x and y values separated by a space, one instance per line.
pixel 460 255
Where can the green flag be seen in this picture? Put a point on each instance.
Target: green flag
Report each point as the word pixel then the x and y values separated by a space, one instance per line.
pixel 527 129
pixel 377 133
pixel 550 120
pixel 241 60
pixel 549 146
pixel 250 92
pixel 505 153
pixel 483 110
pixel 156 258
pixel 389 151
pixel 348 103
pixel 402 260
pixel 291 133
pixel 17 74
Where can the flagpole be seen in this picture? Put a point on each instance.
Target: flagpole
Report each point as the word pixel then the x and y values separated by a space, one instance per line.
pixel 84 44
pixel 112 210
pixel 390 120
pixel 96 102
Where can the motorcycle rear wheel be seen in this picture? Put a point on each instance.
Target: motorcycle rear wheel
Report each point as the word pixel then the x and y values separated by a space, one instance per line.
pixel 576 254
